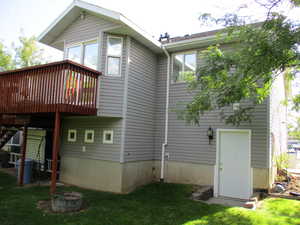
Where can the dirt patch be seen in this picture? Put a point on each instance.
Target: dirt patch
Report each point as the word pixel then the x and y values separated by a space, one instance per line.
pixel 202 192
pixel 292 186
pixel 45 206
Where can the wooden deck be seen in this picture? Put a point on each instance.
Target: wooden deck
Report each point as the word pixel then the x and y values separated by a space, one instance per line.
pixel 63 86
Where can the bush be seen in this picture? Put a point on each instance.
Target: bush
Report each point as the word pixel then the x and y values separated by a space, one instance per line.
pixel 282 161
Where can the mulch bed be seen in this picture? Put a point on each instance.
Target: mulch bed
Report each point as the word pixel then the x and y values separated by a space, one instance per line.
pixel 292 186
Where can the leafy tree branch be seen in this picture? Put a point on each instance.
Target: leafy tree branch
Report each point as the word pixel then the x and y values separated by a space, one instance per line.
pixel 260 53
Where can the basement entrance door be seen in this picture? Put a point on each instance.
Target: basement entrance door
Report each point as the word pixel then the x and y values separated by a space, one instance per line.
pixel 233 170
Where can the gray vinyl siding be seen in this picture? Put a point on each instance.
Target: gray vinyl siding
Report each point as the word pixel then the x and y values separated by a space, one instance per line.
pixel 81 30
pixel 160 105
pixel 96 150
pixel 110 93
pixel 140 117
pixel 189 143
pixel 110 101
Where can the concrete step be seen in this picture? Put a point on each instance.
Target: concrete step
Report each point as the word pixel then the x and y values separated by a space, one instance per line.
pixel 202 193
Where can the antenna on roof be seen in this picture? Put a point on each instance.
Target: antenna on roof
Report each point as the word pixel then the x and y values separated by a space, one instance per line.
pixel 164 37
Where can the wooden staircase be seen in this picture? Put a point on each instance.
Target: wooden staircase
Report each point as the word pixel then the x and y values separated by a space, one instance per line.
pixel 5 135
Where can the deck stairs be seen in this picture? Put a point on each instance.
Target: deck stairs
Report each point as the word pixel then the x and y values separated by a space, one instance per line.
pixel 5 135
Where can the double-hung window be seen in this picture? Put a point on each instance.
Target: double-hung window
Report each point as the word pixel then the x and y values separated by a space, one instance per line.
pixel 184 65
pixel 114 56
pixel 85 53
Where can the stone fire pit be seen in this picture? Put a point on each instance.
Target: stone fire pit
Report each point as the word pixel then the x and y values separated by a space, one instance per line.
pixel 66 202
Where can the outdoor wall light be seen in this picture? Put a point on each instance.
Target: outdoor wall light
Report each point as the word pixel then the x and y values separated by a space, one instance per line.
pixel 210 134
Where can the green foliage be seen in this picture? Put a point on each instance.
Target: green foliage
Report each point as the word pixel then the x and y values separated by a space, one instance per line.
pixel 27 53
pixel 288 77
pixel 282 161
pixel 260 53
pixel 6 62
pixel 294 132
pixel 280 178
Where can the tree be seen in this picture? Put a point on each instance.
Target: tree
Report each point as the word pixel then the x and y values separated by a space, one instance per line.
pixel 6 61
pixel 294 131
pixel 28 53
pixel 262 51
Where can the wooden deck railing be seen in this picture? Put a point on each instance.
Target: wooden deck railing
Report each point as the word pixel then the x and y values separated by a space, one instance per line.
pixel 62 86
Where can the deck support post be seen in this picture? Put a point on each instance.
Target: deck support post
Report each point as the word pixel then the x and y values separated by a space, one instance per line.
pixel 23 156
pixel 55 151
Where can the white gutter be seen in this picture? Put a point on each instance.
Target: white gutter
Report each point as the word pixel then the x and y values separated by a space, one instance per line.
pixel 164 145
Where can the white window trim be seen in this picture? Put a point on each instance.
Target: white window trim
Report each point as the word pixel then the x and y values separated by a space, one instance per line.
pixel 116 56
pixel 86 140
pixel 172 64
pixel 69 135
pixel 81 44
pixel 111 132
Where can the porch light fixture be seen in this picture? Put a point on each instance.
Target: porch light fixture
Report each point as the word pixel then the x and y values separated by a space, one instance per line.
pixel 210 134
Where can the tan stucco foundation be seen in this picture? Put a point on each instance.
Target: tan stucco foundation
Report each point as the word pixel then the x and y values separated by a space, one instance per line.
pixel 192 173
pixel 105 175
pixel 136 174
pixel 126 177
pixel 261 178
pixel 92 174
pixel 186 173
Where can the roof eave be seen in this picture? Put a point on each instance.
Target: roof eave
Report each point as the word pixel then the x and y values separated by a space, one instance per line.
pixel 46 38
pixel 198 42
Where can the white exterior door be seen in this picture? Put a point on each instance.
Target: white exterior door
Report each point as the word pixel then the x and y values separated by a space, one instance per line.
pixel 234 175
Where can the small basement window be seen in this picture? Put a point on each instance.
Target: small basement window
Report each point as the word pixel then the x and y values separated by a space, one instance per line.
pixel 89 136
pixel 108 137
pixel 72 135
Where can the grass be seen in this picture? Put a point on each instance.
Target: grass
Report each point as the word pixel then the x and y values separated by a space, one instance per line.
pixel 154 204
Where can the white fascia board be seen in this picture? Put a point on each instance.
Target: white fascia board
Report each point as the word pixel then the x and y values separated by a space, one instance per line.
pixel 201 41
pixel 97 9
pixel 83 5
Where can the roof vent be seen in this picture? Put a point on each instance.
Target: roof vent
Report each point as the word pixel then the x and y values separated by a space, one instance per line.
pixel 165 37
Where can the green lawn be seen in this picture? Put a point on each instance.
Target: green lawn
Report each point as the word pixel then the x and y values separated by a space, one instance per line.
pixel 155 204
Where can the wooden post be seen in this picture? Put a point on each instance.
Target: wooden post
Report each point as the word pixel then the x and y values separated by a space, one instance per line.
pixel 55 151
pixel 23 156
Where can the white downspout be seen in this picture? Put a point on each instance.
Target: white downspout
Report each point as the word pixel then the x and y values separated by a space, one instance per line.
pixel 164 145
